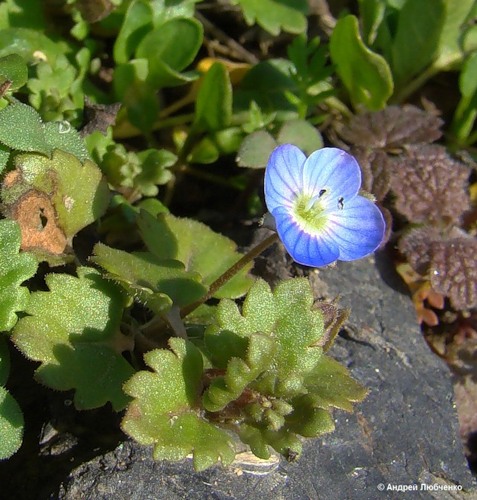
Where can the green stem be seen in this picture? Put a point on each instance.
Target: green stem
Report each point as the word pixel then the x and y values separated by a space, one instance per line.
pixel 231 272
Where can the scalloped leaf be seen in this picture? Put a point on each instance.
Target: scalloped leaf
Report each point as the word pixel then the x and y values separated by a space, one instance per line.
pixel 393 127
pixel 202 250
pixel 73 331
pixel 276 15
pixel 429 185
pixel 331 386
pixel 52 199
pixel 148 277
pixel 241 371
pixel 15 268
pixel 21 129
pixel 11 424
pixel 453 272
pixel 165 410
pixel 287 315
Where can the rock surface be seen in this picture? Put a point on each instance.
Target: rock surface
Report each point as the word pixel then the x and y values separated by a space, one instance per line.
pixel 404 433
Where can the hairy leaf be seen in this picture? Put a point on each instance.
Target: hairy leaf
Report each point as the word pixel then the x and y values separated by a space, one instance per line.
pixel 416 245
pixel 21 129
pixel 453 271
pixel 287 315
pixel 200 249
pixel 152 280
pixel 429 185
pixel 256 149
pixel 376 168
pixel 11 424
pixel 165 410
pixel 73 331
pixel 302 134
pixel 52 199
pixel 15 268
pixel 393 127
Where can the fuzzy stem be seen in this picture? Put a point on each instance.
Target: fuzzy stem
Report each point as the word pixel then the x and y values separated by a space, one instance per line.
pixel 231 272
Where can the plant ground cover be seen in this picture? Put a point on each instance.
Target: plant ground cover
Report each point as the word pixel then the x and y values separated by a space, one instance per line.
pixel 135 134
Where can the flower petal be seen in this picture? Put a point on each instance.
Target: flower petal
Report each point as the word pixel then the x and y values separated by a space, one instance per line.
pixel 283 176
pixel 358 229
pixel 304 248
pixel 334 170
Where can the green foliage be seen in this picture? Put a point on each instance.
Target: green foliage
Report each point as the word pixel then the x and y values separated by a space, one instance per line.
pixel 165 409
pixel 276 15
pixel 15 268
pixel 21 118
pixel 213 109
pixel 21 129
pixel 11 424
pixel 11 417
pixel 73 331
pixel 13 69
pixel 364 73
pixel 256 147
pixel 196 246
pixel 158 283
pixel 422 23
pixel 77 192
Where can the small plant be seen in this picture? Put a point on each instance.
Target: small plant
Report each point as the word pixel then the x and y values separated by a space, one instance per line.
pixel 117 117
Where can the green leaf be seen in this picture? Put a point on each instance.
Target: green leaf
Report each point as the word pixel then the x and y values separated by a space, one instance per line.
pixel 420 22
pixel 137 22
pixel 133 89
pixel 450 47
pixel 13 69
pixel 169 49
pixel 4 156
pixel 73 331
pixel 61 193
pixel 61 135
pixel 21 129
pixel 241 371
pixel 11 425
pixel 365 74
pixel 4 360
pixel 164 410
pixel 256 149
pixel 275 15
pixel 213 108
pixel 372 13
pixel 200 249
pixel 302 134
pixel 287 315
pixel 15 268
pixel 149 275
pixel 332 386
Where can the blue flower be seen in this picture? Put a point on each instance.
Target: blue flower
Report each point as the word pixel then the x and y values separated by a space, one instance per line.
pixel 318 213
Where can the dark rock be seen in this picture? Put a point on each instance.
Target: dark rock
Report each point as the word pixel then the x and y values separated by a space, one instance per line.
pixel 404 433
